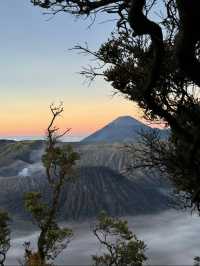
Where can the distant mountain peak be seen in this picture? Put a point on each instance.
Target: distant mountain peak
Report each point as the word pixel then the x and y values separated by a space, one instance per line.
pixel 126 120
pixel 122 129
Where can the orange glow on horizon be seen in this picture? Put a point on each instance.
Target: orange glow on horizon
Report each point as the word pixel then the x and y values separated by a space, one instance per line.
pixel 83 119
pixel 31 117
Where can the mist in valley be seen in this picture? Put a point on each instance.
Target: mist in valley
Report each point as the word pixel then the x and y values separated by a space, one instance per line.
pixel 171 238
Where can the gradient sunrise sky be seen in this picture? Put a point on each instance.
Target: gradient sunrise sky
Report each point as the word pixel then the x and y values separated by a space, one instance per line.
pixel 37 68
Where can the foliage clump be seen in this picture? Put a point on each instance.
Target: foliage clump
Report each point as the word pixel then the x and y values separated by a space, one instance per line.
pixel 121 245
pixel 196 261
pixel 59 162
pixel 4 236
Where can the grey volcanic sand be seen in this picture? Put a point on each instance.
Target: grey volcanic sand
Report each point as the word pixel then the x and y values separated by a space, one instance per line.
pixel 172 238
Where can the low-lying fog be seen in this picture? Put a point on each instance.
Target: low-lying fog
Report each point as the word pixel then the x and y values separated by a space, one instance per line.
pixel 172 238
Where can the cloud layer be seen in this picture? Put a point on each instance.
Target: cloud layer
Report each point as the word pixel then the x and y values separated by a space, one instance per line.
pixel 171 238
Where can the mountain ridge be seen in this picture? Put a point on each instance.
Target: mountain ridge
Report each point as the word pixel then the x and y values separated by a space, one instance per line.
pixel 101 183
pixel 121 129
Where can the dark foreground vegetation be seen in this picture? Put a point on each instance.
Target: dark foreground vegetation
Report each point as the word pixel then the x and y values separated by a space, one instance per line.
pixel 154 63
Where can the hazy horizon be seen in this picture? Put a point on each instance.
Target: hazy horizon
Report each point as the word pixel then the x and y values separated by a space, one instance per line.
pixel 75 137
pixel 21 138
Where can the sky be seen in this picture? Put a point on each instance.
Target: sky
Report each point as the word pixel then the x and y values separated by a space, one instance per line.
pixel 37 68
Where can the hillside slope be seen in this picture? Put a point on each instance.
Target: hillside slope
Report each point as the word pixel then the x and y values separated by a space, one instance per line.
pixel 122 129
pixel 102 183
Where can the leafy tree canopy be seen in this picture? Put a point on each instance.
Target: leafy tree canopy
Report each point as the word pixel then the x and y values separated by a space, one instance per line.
pixel 4 235
pixel 154 61
pixel 121 245
pixel 59 162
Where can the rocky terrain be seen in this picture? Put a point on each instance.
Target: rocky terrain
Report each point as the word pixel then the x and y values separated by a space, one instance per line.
pixel 101 183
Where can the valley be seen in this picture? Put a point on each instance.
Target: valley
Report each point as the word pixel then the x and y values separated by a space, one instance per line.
pixel 102 182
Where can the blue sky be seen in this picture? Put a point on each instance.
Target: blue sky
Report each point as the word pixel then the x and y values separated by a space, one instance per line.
pixel 37 67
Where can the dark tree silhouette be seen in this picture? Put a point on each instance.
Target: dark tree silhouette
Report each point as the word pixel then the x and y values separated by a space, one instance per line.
pixel 4 236
pixel 154 62
pixel 122 248
pixel 59 162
